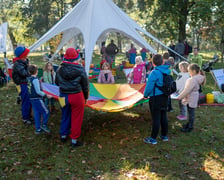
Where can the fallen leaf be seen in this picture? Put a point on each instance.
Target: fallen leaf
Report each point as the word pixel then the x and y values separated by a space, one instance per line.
pixel 29 172
pixel 99 146
pixel 6 169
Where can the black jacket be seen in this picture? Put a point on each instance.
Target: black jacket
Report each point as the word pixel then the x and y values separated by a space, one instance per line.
pixel 71 78
pixel 20 72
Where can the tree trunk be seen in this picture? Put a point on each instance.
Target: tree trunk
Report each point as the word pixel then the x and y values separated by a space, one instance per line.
pixel 183 19
pixel 198 40
pixel 222 45
pixel 12 37
pixel 119 42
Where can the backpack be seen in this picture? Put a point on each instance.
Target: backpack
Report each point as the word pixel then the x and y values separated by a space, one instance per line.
pixel 2 78
pixel 169 85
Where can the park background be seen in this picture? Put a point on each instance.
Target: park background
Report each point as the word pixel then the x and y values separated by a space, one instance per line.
pixel 113 141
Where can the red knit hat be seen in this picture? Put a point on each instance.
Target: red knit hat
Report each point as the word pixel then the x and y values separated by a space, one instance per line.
pixel 71 54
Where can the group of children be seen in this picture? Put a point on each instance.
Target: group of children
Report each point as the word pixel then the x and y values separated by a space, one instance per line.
pixel 136 76
pixel 25 77
pixel 73 84
pixel 188 83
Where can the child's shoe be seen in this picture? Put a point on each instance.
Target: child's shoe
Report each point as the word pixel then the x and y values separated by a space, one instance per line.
pixel 45 129
pixel 187 129
pixel 63 138
pixel 150 140
pixel 76 143
pixel 170 110
pixel 181 117
pixel 38 131
pixel 27 121
pixel 164 138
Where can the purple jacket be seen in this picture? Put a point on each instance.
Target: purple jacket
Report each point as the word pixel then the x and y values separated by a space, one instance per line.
pixel 102 77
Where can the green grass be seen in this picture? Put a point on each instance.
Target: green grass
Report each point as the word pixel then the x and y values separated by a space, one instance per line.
pixel 113 146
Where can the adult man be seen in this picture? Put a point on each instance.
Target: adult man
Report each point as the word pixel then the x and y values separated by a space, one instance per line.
pixel 195 57
pixel 179 48
pixel 111 51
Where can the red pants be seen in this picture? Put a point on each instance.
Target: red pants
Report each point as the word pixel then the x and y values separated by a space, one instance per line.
pixel 77 103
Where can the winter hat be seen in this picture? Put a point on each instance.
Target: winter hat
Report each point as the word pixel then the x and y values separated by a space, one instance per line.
pixel 71 54
pixel 21 52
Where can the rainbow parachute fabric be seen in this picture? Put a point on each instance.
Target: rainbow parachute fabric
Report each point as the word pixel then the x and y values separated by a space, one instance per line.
pixel 107 97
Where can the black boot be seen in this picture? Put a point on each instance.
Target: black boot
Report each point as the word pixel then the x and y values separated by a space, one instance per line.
pixel 188 129
pixel 185 125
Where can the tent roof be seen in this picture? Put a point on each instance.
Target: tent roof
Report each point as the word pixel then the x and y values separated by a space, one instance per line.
pixel 93 19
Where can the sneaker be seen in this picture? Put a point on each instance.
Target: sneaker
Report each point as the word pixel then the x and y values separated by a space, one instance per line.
pixel 164 138
pixel 181 117
pixel 77 144
pixel 63 138
pixel 150 140
pixel 185 125
pixel 170 110
pixel 38 131
pixel 18 100
pixel 45 129
pixel 27 121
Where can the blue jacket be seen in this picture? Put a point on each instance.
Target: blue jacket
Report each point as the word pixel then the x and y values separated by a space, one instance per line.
pixel 156 76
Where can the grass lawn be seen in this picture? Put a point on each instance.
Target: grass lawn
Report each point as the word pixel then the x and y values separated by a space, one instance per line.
pixel 113 146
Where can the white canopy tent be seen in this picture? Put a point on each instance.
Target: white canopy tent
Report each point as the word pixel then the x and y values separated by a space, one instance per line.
pixel 3 36
pixel 93 19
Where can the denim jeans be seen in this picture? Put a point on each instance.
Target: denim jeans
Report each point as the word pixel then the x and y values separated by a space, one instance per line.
pixel 191 116
pixel 183 109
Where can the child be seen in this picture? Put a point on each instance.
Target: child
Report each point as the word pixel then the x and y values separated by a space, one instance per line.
pixel 20 74
pixel 49 77
pixel 190 94
pixel 138 75
pixel 157 101
pixel 74 88
pixel 105 76
pixel 180 81
pixel 36 99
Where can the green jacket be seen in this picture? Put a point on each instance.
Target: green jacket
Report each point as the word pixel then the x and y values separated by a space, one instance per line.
pixel 196 59
pixel 48 77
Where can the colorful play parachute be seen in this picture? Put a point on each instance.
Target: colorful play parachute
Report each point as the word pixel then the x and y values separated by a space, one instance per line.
pixel 107 97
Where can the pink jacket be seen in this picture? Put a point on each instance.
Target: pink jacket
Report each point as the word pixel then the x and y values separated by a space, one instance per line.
pixel 102 78
pixel 138 75
pixel 190 94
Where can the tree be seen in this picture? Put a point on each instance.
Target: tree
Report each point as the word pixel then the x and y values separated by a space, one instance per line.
pixel 10 13
pixel 170 17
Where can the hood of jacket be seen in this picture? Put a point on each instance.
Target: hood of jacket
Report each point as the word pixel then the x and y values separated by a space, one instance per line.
pixel 164 69
pixel 69 71
pixel 199 78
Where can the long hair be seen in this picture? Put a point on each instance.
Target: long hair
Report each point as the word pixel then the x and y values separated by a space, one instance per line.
pixel 46 66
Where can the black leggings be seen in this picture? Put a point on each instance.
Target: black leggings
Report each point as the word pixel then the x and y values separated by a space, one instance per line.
pixel 158 108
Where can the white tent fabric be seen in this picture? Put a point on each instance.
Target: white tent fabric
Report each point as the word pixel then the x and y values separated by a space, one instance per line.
pixel 3 36
pixel 93 19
